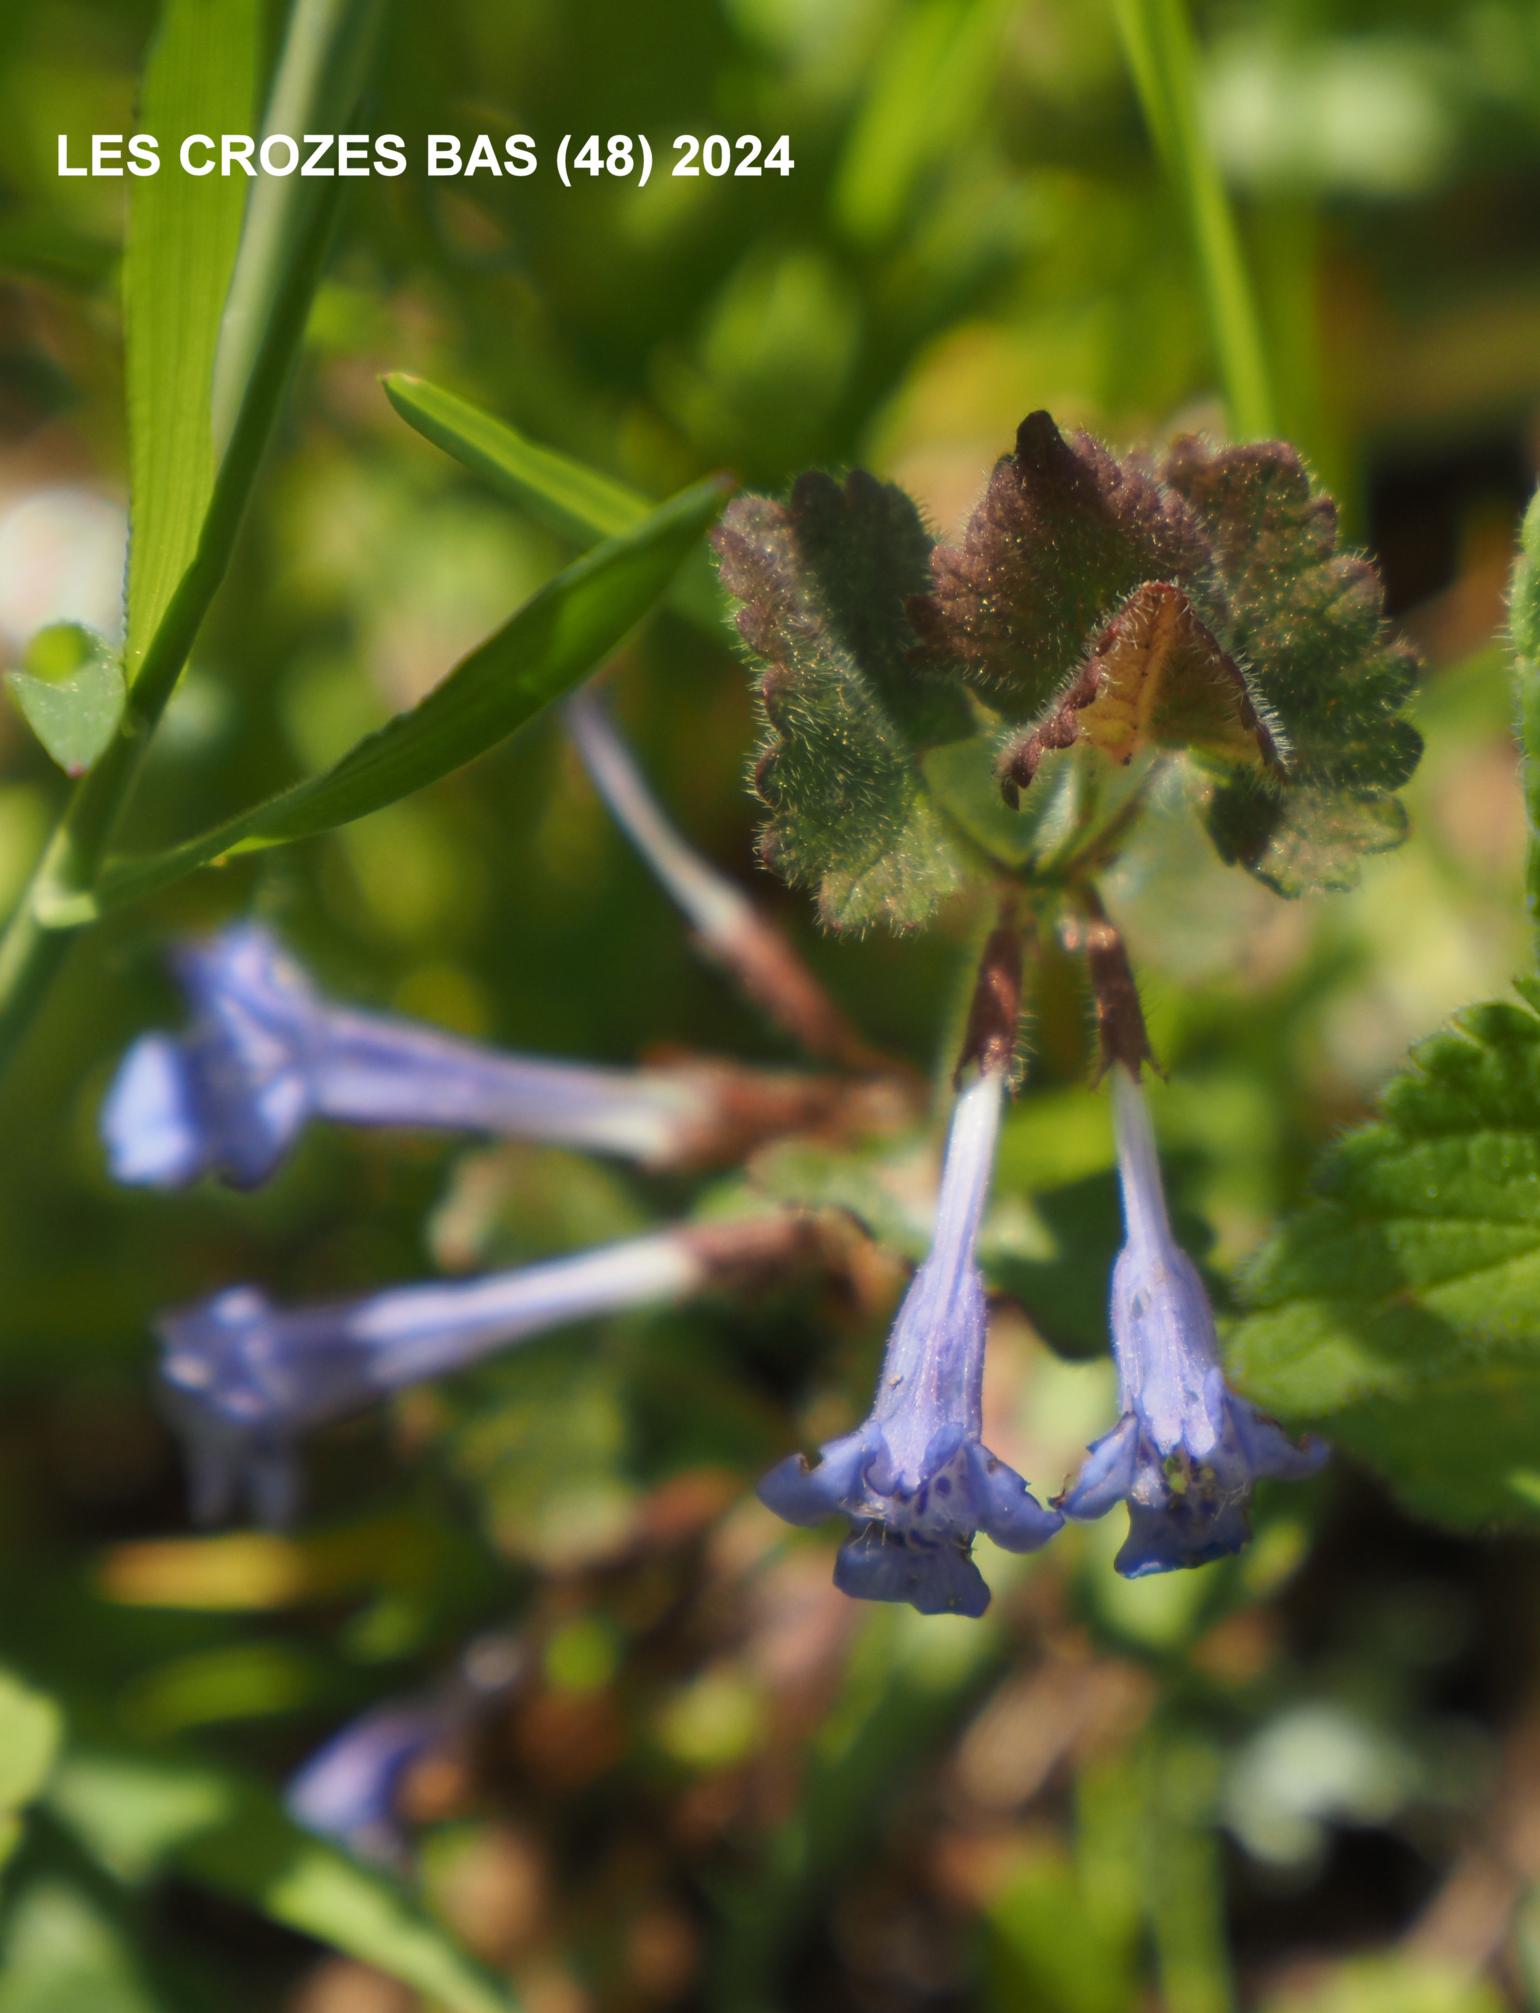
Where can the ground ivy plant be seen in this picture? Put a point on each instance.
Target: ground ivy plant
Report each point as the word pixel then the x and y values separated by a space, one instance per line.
pixel 977 732
pixel 984 727
pixel 995 716
pixel 991 720
pixel 973 735
pixel 1108 630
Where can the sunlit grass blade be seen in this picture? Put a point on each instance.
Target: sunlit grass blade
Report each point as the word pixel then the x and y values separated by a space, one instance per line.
pixel 901 1688
pixel 31 1729
pixel 183 232
pixel 30 952
pixel 1184 1885
pixel 143 1816
pixel 247 1571
pixel 271 292
pixel 574 622
pixel 576 502
pixel 69 1943
pixel 1163 57
pixel 325 60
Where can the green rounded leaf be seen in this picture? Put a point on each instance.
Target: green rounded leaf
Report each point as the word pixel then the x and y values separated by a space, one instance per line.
pixel 70 692
pixel 1400 1311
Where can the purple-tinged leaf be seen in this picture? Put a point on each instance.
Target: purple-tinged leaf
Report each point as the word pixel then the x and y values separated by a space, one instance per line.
pixel 823 580
pixel 1307 622
pixel 1064 534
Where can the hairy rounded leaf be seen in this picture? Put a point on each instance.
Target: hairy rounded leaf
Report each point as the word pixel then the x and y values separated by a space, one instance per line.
pixel 1307 623
pixel 1198 608
pixel 1064 534
pixel 1201 606
pixel 823 580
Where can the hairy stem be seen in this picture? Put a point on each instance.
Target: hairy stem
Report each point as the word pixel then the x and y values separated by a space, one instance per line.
pixel 994 1013
pixel 1120 1025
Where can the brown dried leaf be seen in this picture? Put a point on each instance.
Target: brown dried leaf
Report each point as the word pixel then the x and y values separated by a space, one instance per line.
pixel 1156 678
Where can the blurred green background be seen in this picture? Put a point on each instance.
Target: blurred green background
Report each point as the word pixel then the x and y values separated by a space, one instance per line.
pixel 1308 1777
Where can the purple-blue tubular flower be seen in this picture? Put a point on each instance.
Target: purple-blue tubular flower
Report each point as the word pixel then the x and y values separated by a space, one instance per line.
pixel 916 1479
pixel 230 1095
pixel 244 1379
pixel 266 1053
pixel 1186 1452
pixel 350 1790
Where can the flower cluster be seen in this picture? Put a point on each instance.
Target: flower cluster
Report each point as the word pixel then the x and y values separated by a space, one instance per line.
pixel 265 1053
pixel 915 1478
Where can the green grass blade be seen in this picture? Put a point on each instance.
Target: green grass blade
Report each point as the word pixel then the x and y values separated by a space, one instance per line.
pixel 321 72
pixel 31 950
pixel 142 1816
pixel 937 64
pixel 555 639
pixel 571 500
pixel 31 1731
pixel 67 1945
pixel 1162 54
pixel 271 293
pixel 901 1689
pixel 1184 1884
pixel 183 232
pixel 575 502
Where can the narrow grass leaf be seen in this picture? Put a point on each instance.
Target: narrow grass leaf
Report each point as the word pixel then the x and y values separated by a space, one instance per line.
pixel 31 1731
pixel 321 71
pixel 569 627
pixel 575 502
pixel 1163 57
pixel 69 1950
pixel 183 233
pixel 938 61
pixel 168 607
pixel 1524 630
